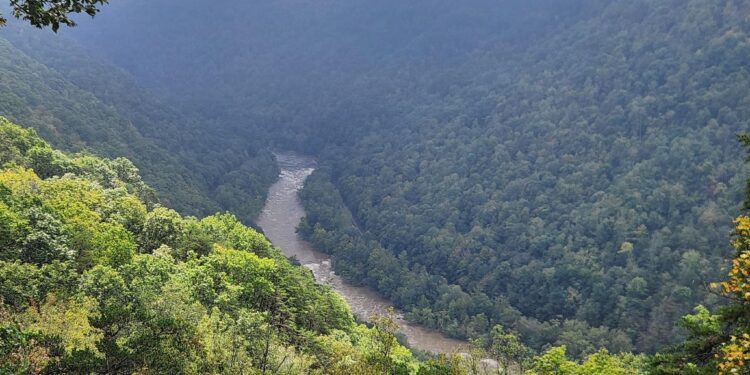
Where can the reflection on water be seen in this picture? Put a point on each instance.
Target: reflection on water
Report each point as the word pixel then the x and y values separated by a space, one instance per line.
pixel 279 221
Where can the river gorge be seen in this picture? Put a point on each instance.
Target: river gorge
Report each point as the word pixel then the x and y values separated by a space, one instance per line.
pixel 279 219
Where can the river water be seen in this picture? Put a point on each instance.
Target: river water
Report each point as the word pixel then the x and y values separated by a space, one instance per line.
pixel 279 220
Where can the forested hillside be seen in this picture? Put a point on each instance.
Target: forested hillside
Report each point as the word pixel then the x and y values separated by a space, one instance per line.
pixel 564 168
pixel 314 72
pixel 95 278
pixel 585 185
pixel 80 102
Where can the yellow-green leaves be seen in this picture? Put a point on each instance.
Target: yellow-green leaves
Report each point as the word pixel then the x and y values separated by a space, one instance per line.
pixel 162 227
pixel 738 285
pixel 68 320
pixel 116 288
pixel 554 362
pixel 225 343
pixel 111 245
pixel 227 230
pixel 734 354
pixel 251 274
pixel 15 142
pixel 20 180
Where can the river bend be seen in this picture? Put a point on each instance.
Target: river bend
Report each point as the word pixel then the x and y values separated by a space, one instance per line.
pixel 279 219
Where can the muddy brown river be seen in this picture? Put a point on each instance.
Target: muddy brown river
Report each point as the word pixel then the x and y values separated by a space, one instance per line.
pixel 279 220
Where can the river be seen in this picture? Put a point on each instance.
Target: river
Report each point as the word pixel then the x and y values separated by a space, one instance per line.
pixel 279 219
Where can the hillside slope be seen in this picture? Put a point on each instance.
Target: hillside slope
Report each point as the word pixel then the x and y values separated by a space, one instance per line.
pixel 81 102
pixel 93 280
pixel 563 168
pixel 582 183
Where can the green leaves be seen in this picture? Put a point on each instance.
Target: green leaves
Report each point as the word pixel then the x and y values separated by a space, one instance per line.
pixel 52 13
pixel 227 230
pixel 162 227
pixel 702 323
pixel 508 350
pixel 108 286
pixel 68 320
pixel 20 350
pixel 554 362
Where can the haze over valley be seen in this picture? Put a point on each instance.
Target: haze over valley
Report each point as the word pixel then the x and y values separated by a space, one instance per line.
pixel 375 187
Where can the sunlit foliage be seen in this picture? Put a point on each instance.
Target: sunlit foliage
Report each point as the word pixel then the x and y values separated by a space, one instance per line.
pixel 95 280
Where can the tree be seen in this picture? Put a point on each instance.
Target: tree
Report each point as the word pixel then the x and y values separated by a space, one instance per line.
pixel 718 343
pixel 20 350
pixel 385 331
pixel 508 350
pixel 734 354
pixel 53 13
pixel 44 241
pixel 162 227
pixel 209 296
pixel 385 328
pixel 68 320
pixel 555 362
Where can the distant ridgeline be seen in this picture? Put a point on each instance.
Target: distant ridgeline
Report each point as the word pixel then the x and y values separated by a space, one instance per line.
pixel 79 102
pixel 565 168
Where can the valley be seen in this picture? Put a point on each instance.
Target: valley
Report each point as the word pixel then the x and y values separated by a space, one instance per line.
pixel 558 186
pixel 279 219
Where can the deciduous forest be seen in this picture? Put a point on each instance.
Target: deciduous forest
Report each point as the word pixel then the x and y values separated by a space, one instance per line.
pixel 552 182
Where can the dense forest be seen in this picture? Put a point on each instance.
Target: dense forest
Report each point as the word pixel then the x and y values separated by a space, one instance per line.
pixel 551 180
pixel 97 278
pixel 80 102
pixel 578 198
pixel 565 169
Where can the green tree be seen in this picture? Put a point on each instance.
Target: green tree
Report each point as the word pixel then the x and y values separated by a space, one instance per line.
pixel 53 13
pixel 163 226
pixel 209 296
pixel 44 240
pixel 555 362
pixel 717 342
pixel 508 350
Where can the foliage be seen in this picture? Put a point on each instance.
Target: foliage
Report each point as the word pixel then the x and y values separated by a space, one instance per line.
pixel 554 362
pixel 43 13
pixel 508 351
pixel 717 343
pixel 571 188
pixel 559 168
pixel 82 103
pixel 95 280
pixel 67 320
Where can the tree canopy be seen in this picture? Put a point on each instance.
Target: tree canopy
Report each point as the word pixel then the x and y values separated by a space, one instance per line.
pixel 554 176
pixel 97 277
pixel 561 168
pixel 52 13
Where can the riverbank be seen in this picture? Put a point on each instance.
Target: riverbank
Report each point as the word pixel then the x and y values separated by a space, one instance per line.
pixel 279 219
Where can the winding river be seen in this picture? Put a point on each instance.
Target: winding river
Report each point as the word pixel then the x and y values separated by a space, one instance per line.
pixel 279 220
